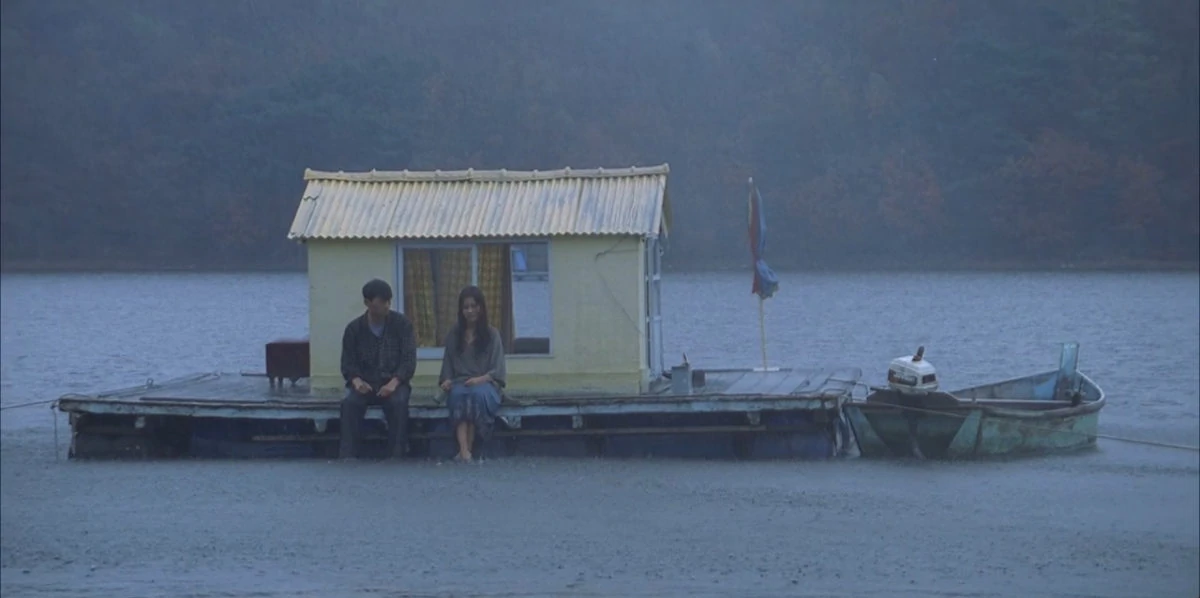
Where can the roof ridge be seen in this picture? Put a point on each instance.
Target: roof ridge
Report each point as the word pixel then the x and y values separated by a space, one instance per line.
pixel 502 175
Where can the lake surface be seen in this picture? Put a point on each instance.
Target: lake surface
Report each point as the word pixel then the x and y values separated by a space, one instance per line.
pixel 1123 520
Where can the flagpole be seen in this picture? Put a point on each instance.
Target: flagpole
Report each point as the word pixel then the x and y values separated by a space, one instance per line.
pixel 762 320
pixel 762 330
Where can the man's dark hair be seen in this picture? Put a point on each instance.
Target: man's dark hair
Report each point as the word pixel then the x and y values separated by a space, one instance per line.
pixel 377 289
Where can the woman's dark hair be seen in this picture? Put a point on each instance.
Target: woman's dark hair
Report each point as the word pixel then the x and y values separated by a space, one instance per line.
pixel 483 335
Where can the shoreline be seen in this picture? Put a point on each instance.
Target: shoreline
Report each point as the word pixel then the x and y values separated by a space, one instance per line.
pixel 1094 266
pixel 24 267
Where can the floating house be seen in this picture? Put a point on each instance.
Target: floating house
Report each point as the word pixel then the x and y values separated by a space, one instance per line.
pixel 570 265
pixel 591 324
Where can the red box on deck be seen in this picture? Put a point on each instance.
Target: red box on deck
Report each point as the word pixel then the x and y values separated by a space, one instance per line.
pixel 287 358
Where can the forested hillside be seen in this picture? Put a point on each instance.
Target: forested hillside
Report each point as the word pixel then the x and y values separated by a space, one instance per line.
pixel 169 133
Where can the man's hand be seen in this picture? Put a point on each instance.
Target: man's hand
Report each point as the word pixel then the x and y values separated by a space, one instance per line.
pixel 446 385
pixel 360 386
pixel 389 388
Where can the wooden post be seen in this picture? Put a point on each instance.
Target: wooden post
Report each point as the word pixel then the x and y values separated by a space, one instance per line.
pixel 762 330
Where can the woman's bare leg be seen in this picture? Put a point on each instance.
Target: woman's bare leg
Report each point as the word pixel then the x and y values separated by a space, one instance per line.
pixel 470 439
pixel 464 440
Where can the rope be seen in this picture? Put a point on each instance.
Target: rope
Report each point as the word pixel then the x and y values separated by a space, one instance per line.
pixel 1183 447
pixel 149 384
pixel 53 416
pixel 30 404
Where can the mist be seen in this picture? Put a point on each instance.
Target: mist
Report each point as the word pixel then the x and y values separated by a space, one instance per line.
pixel 881 133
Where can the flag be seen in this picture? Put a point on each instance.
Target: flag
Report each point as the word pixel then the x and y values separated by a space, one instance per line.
pixel 765 281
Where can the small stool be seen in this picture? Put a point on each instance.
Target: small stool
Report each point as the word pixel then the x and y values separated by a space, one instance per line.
pixel 287 358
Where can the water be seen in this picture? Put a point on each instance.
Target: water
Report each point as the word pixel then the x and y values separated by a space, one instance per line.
pixel 1123 520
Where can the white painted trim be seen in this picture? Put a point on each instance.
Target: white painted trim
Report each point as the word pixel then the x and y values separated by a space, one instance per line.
pixel 550 281
pixel 436 354
pixel 398 266
pixel 655 351
pixel 475 266
pixel 455 244
pixel 461 242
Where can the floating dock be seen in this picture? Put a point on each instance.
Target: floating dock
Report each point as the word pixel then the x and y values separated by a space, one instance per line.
pixel 730 413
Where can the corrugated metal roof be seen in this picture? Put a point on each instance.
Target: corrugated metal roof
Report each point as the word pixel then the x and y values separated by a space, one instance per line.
pixel 482 203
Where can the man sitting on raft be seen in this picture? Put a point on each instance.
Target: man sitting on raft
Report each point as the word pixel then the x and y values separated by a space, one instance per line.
pixel 379 357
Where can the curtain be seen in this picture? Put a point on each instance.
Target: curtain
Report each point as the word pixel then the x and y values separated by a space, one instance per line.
pixel 418 296
pixel 495 280
pixel 451 273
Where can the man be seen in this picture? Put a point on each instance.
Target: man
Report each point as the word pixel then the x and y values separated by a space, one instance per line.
pixel 379 356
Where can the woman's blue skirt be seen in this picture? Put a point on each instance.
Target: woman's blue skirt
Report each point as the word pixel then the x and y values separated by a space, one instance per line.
pixel 476 404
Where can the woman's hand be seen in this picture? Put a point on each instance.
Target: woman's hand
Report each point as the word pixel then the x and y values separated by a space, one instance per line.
pixel 478 380
pixel 445 385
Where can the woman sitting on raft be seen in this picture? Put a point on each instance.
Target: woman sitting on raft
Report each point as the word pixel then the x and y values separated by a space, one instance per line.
pixel 472 372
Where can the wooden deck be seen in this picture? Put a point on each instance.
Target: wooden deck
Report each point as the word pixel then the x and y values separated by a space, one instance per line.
pixel 788 412
pixel 252 396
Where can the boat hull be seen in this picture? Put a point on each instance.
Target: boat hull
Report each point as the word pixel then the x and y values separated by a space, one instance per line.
pixel 969 433
pixel 1016 417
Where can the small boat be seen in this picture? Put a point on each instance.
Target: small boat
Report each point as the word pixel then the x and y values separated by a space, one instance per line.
pixel 1052 411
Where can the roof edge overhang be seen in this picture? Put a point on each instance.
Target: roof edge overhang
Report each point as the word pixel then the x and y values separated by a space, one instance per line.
pixel 661 226
pixel 503 175
pixel 482 238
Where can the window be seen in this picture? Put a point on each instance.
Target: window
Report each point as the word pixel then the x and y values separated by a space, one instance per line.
pixel 531 299
pixel 514 278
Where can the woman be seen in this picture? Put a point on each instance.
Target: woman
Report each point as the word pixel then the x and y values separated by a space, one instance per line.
pixel 472 372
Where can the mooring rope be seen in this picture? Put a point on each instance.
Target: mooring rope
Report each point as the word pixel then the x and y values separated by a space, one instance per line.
pixel 1183 447
pixel 53 416
pixel 70 395
pixel 147 385
pixel 29 404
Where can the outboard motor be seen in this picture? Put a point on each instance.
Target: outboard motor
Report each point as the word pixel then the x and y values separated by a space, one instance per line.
pixel 912 374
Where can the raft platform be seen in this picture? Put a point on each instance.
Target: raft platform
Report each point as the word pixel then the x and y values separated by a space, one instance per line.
pixel 726 413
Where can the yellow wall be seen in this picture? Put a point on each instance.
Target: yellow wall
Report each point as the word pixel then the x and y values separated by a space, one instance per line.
pixel 337 271
pixel 597 340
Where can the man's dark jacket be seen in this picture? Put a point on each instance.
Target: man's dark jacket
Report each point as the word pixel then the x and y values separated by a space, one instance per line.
pixel 377 359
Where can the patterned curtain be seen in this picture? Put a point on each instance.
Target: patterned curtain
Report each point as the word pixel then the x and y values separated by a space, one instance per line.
pixel 433 279
pixel 451 273
pixel 495 280
pixel 418 296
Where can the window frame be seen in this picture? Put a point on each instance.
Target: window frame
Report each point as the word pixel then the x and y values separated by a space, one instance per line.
pixel 655 355
pixel 436 353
